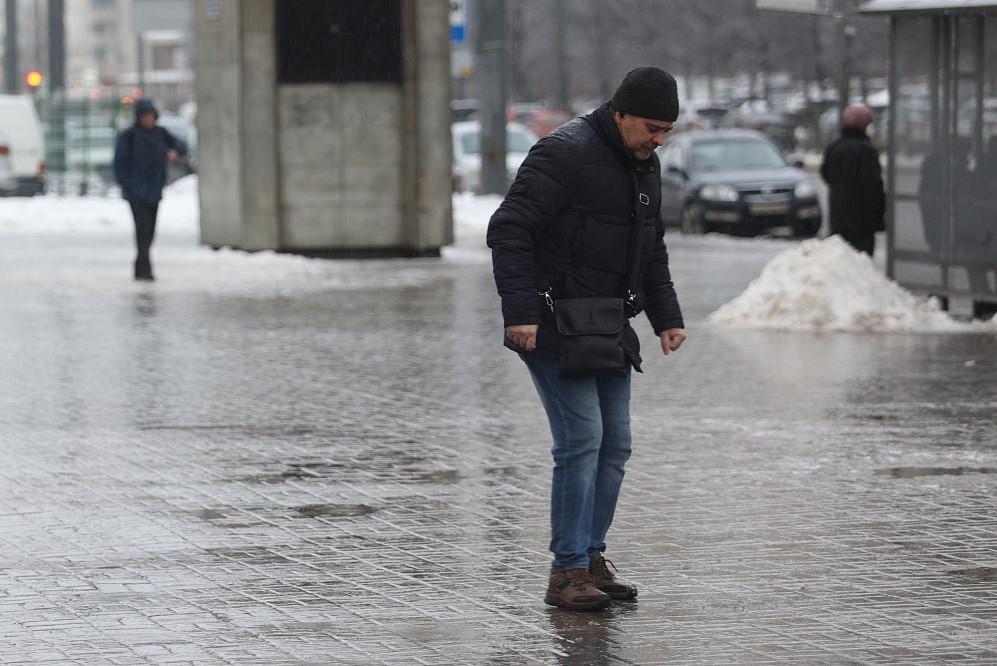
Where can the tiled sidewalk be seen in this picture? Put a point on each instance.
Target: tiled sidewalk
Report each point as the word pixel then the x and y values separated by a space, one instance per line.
pixel 341 465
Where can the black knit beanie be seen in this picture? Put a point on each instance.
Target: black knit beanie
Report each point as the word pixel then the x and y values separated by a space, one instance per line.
pixel 648 92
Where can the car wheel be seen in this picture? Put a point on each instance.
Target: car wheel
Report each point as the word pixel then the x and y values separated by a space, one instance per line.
pixel 692 221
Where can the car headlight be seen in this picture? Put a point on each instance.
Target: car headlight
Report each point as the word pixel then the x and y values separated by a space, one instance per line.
pixel 718 193
pixel 805 190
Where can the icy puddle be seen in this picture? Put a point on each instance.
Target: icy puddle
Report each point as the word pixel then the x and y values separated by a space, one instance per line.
pixel 915 472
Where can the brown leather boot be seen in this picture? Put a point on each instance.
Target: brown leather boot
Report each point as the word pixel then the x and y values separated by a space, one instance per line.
pixel 606 579
pixel 573 589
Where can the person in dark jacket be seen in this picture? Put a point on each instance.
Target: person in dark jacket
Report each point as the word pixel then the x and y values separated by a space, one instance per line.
pixel 564 231
pixel 140 158
pixel 852 172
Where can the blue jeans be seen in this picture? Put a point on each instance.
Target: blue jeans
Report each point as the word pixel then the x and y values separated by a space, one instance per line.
pixel 590 424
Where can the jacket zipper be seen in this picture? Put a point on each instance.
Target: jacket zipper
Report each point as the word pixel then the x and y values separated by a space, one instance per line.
pixel 547 297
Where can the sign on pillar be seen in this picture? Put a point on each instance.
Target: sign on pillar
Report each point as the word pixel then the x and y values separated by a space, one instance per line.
pixel 458 21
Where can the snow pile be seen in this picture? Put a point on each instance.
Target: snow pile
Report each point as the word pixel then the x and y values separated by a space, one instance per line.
pixel 471 213
pixel 51 213
pixel 826 285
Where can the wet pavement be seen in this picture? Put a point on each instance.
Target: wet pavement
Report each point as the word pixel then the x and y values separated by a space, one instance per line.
pixel 276 461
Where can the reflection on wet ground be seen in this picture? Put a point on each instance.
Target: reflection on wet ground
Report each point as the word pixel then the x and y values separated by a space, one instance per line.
pixel 914 472
pixel 334 510
pixel 978 574
pixel 277 469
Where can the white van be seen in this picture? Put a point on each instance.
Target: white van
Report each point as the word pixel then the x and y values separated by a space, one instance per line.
pixel 20 124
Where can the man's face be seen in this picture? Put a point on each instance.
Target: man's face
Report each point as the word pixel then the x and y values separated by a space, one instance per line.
pixel 147 120
pixel 642 135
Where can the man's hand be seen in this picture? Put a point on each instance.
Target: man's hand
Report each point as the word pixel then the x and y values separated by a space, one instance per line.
pixel 672 339
pixel 172 156
pixel 523 336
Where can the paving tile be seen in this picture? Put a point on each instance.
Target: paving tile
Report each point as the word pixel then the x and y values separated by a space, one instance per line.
pixel 196 472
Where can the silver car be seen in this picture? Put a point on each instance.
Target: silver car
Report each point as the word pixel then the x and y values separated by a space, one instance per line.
pixel 467 152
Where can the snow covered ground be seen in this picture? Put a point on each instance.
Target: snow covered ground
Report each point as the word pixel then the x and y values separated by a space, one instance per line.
pixel 186 265
pixel 819 285
pixel 178 213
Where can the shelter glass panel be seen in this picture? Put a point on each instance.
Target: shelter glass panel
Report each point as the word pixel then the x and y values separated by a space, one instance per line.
pixel 974 160
pixel 918 191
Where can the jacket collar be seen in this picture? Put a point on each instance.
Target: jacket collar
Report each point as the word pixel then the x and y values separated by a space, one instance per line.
pixel 601 120
pixel 853 133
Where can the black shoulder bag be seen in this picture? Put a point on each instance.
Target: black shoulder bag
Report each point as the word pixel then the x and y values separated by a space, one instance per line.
pixel 591 331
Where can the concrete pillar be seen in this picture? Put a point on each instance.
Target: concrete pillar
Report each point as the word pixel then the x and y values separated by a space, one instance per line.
pixel 428 224
pixel 218 85
pixel 335 168
pixel 258 133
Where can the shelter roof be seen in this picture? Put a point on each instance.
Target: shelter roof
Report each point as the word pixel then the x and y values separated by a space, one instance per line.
pixel 925 6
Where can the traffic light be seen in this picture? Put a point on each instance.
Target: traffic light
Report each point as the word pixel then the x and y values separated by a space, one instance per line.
pixel 34 79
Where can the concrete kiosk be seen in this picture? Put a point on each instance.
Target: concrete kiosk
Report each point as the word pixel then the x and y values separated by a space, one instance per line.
pixel 324 126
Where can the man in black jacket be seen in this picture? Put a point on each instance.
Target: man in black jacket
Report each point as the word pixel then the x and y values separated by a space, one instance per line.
pixel 564 231
pixel 140 157
pixel 852 172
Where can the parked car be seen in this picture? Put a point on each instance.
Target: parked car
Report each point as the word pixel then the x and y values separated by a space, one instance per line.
pixel 736 181
pixel 702 114
pixel 8 183
pixel 19 122
pixel 463 109
pixel 540 120
pixel 467 152
pixel 776 126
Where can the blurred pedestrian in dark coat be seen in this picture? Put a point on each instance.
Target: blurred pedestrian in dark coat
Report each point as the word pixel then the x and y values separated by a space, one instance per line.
pixel 140 158
pixel 852 172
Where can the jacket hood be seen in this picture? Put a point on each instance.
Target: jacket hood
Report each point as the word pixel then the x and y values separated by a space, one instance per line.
pixel 144 106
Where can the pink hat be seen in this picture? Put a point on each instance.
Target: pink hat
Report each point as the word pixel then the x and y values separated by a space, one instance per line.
pixel 857 116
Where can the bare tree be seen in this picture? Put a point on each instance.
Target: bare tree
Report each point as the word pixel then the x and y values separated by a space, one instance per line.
pixel 690 38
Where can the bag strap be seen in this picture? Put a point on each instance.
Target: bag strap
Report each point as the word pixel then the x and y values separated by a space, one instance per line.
pixel 636 240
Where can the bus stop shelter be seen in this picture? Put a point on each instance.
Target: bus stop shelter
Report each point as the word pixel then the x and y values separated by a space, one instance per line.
pixel 942 169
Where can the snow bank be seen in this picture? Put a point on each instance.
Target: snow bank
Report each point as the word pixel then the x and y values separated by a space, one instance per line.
pixel 178 213
pixel 51 213
pixel 826 285
pixel 471 213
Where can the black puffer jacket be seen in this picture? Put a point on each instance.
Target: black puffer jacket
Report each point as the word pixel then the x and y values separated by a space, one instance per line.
pixel 852 172
pixel 566 224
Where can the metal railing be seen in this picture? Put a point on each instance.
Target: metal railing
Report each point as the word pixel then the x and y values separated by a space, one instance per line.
pixel 80 133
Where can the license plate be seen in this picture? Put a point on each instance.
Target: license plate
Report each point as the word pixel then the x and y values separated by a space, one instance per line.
pixel 776 197
pixel 769 208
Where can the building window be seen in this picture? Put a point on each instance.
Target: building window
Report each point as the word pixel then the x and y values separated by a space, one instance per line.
pixel 163 56
pixel 102 4
pixel 338 42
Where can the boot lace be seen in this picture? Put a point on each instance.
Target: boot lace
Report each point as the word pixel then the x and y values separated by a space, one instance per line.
pixel 580 577
pixel 601 568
